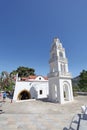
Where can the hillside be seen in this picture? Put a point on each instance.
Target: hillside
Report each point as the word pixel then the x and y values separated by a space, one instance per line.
pixel 75 81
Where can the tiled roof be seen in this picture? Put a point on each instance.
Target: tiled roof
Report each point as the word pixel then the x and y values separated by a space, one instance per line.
pixel 32 77
pixel 46 78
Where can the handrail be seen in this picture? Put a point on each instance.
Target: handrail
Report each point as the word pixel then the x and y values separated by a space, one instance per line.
pixel 75 121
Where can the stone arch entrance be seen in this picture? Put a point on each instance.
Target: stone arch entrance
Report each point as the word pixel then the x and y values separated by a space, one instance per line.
pixel 66 91
pixel 24 95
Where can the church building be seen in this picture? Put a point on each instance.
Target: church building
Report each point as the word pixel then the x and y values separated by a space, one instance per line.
pixel 56 87
pixel 32 87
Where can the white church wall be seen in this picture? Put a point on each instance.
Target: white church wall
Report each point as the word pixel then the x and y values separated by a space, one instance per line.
pixel 54 90
pixel 69 89
pixel 40 78
pixel 60 92
pixel 36 89
pixel 20 86
pixel 43 90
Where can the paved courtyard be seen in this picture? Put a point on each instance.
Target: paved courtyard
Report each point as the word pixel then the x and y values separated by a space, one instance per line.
pixel 39 115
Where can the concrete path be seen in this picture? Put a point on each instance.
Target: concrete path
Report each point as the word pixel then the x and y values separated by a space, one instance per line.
pixel 38 115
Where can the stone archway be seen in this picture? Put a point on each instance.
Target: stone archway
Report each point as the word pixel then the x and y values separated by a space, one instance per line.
pixel 24 95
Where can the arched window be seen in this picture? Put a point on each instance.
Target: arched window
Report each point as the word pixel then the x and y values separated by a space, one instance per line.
pixel 60 54
pixel 66 92
pixel 63 68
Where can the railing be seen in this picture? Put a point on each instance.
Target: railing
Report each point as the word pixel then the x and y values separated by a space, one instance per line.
pixel 74 125
pixel 59 74
pixel 53 74
pixel 58 58
pixel 62 59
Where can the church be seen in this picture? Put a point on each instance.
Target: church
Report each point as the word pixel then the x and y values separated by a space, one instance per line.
pixel 32 87
pixel 56 87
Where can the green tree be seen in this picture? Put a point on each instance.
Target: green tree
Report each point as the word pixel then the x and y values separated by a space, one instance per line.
pixel 83 81
pixel 23 71
pixel 6 81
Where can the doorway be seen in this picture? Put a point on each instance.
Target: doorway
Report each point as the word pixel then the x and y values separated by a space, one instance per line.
pixel 24 95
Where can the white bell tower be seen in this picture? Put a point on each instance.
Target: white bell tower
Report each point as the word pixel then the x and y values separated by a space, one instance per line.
pixel 60 85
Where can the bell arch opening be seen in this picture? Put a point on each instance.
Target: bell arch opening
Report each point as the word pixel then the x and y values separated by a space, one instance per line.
pixel 66 92
pixel 24 95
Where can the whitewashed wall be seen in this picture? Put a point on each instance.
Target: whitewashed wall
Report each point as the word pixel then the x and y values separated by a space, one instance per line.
pixel 33 88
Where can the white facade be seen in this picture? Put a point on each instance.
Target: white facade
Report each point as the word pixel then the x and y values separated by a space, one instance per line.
pixel 60 86
pixel 31 89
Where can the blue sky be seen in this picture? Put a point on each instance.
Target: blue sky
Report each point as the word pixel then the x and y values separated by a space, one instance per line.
pixel 27 28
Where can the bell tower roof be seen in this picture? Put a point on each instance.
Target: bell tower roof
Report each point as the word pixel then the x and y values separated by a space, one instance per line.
pixel 56 43
pixel 56 40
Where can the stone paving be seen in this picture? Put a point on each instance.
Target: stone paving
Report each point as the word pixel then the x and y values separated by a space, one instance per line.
pixel 39 115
